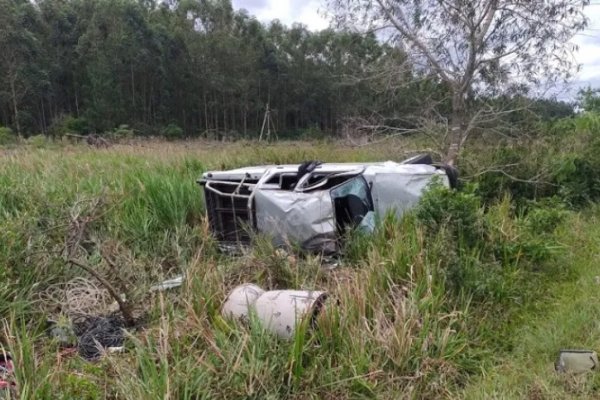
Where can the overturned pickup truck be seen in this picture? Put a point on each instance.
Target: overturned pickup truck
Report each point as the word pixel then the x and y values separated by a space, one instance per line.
pixel 312 204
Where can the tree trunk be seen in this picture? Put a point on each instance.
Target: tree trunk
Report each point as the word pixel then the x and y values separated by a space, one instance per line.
pixel 205 112
pixel 224 116
pixel 15 107
pixel 457 128
pixel 216 117
pixel 43 119
pixel 184 122
pixel 245 118
pixel 132 89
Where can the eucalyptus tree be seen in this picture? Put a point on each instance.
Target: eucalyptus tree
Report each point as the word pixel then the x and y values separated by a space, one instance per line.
pixel 20 74
pixel 474 46
pixel 92 65
pixel 589 99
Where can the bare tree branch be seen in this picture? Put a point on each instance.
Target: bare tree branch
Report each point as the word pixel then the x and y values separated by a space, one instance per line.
pixel 124 306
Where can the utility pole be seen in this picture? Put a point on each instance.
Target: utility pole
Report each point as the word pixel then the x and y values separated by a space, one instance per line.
pixel 268 123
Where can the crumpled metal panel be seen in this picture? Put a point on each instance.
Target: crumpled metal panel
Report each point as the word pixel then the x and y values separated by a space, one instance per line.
pixel 292 217
pixel 394 192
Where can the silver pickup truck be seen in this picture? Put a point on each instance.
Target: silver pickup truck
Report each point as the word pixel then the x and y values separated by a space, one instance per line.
pixel 312 204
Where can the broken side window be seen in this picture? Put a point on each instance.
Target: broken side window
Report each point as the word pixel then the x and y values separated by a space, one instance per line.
pixel 351 201
pixel 284 180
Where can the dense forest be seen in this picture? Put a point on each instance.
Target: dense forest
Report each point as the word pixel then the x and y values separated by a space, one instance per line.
pixel 195 66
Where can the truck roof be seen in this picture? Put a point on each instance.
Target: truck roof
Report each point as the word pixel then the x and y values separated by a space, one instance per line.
pixel 256 172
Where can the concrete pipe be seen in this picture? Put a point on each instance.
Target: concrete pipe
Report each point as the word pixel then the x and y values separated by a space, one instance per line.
pixel 240 300
pixel 281 311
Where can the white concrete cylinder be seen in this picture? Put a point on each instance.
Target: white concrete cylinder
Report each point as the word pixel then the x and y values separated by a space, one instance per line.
pixel 239 301
pixel 281 311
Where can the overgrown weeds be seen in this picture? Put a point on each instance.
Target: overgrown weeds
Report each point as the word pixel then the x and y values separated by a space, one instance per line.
pixel 417 309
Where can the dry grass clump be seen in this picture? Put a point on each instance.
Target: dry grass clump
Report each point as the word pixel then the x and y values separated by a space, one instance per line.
pixel 79 296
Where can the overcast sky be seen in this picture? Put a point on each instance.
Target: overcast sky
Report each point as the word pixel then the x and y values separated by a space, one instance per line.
pixel 589 48
pixel 310 13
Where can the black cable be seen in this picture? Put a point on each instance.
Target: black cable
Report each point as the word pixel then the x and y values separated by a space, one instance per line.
pixel 95 333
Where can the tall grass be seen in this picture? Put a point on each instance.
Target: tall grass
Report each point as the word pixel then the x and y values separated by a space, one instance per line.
pixel 416 310
pixel 568 321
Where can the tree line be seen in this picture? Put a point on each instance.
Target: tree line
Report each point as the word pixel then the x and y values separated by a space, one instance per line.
pixel 201 68
pixel 198 67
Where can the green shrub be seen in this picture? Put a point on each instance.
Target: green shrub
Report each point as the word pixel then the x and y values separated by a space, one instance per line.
pixel 38 141
pixel 313 133
pixel 77 125
pixel 588 122
pixel 488 252
pixel 515 170
pixel 123 132
pixel 459 211
pixel 545 216
pixel 560 128
pixel 6 136
pixel 576 167
pixel 563 163
pixel 68 124
pixel 172 132
pixel 577 176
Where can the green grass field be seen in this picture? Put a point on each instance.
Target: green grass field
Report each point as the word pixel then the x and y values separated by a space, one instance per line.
pixel 459 300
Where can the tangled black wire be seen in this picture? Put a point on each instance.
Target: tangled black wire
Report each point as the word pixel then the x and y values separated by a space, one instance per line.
pixel 95 333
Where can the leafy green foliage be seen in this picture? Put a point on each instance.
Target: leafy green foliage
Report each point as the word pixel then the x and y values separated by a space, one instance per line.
pixel 64 124
pixel 123 132
pixel 563 162
pixel 490 251
pixel 76 125
pixel 545 216
pixel 203 66
pixel 459 210
pixel 6 136
pixel 172 132
pixel 589 99
pixel 38 141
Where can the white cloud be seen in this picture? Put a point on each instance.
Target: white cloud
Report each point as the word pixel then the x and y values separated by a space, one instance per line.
pixel 307 12
pixel 589 49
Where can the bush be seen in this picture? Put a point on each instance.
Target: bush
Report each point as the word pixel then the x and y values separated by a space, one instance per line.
pixel 7 136
pixel 313 133
pixel 563 163
pixel 459 211
pixel 172 132
pixel 68 124
pixel 77 125
pixel 38 141
pixel 577 176
pixel 517 170
pixel 123 132
pixel 488 252
pixel 545 216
